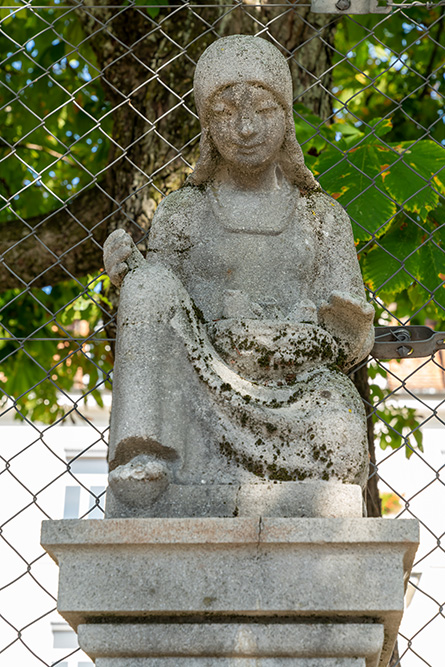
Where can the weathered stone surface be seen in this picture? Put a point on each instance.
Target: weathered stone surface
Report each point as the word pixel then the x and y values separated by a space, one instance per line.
pixel 233 640
pixel 231 662
pixel 234 331
pixel 230 400
pixel 280 499
pixel 234 643
pixel 235 571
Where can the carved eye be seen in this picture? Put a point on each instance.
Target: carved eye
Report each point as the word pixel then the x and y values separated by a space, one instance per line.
pixel 266 109
pixel 221 109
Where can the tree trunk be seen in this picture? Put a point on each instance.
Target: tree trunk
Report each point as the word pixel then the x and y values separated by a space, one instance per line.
pixel 147 73
pixel 57 246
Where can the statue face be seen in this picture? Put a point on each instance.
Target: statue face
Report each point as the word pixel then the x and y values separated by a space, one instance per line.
pixel 247 125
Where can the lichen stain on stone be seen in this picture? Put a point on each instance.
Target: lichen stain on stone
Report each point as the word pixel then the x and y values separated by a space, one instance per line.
pixel 130 447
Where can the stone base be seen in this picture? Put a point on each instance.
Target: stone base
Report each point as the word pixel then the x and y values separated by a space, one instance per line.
pixel 280 499
pixel 231 662
pixel 229 644
pixel 243 591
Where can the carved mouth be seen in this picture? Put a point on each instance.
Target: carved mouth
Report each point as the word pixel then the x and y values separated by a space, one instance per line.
pixel 248 148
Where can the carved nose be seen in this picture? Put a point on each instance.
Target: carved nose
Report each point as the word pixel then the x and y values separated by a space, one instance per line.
pixel 246 127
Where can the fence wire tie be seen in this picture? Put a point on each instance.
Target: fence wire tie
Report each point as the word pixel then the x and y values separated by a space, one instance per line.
pixel 407 341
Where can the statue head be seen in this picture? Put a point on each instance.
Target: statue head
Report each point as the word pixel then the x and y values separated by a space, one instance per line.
pixel 249 72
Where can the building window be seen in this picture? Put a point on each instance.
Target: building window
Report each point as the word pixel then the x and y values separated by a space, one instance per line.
pixel 72 500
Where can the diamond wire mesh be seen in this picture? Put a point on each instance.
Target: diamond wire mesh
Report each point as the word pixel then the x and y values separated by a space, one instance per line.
pixel 99 124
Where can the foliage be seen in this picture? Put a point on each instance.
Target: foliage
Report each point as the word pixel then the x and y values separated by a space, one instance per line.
pixel 380 155
pixel 383 156
pixel 395 426
pixel 391 504
pixel 50 73
pixel 54 349
pixel 394 195
pixel 56 122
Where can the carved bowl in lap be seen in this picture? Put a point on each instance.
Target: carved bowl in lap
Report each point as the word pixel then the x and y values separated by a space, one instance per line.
pixel 270 351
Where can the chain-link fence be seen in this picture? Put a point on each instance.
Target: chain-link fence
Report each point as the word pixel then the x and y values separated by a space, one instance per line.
pixel 98 123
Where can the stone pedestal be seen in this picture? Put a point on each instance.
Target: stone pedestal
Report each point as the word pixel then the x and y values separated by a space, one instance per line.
pixel 245 591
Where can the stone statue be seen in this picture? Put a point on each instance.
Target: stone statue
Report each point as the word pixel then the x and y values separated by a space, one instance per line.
pixel 235 331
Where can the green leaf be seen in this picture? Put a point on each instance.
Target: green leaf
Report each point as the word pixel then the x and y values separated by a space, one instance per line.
pixel 379 127
pixel 388 265
pixel 428 263
pixel 95 393
pixel 151 11
pixel 414 178
pixel 352 181
pixel 351 134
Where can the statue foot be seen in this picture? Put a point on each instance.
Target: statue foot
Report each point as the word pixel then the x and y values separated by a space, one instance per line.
pixel 139 482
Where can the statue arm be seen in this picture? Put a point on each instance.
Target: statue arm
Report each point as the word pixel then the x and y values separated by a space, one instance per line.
pixel 350 320
pixel 167 239
pixel 342 306
pixel 169 234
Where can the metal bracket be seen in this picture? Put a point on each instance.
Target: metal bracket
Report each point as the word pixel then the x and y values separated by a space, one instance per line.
pixel 410 341
pixel 349 7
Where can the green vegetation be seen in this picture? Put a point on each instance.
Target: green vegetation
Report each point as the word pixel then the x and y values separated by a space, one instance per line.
pixel 380 155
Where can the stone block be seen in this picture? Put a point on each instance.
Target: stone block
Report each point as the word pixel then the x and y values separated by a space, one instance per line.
pixel 242 570
pixel 231 662
pixel 235 643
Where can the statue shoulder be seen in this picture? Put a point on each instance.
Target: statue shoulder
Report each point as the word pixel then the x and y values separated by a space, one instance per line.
pixel 176 218
pixel 182 202
pixel 327 213
pixel 324 205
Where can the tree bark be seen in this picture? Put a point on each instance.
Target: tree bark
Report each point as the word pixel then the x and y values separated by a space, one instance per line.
pixel 58 246
pixel 147 74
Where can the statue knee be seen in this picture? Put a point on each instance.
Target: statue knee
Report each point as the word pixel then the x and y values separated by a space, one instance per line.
pixel 150 292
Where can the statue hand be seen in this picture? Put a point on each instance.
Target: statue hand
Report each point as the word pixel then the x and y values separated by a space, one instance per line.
pixel 120 255
pixel 350 320
pixel 347 308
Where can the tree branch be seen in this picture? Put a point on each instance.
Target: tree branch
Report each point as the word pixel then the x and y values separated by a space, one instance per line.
pixel 47 249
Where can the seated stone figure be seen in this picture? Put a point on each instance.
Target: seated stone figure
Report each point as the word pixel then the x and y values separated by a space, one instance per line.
pixel 235 331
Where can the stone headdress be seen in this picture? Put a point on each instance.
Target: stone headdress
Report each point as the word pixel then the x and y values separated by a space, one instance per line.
pixel 247 59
